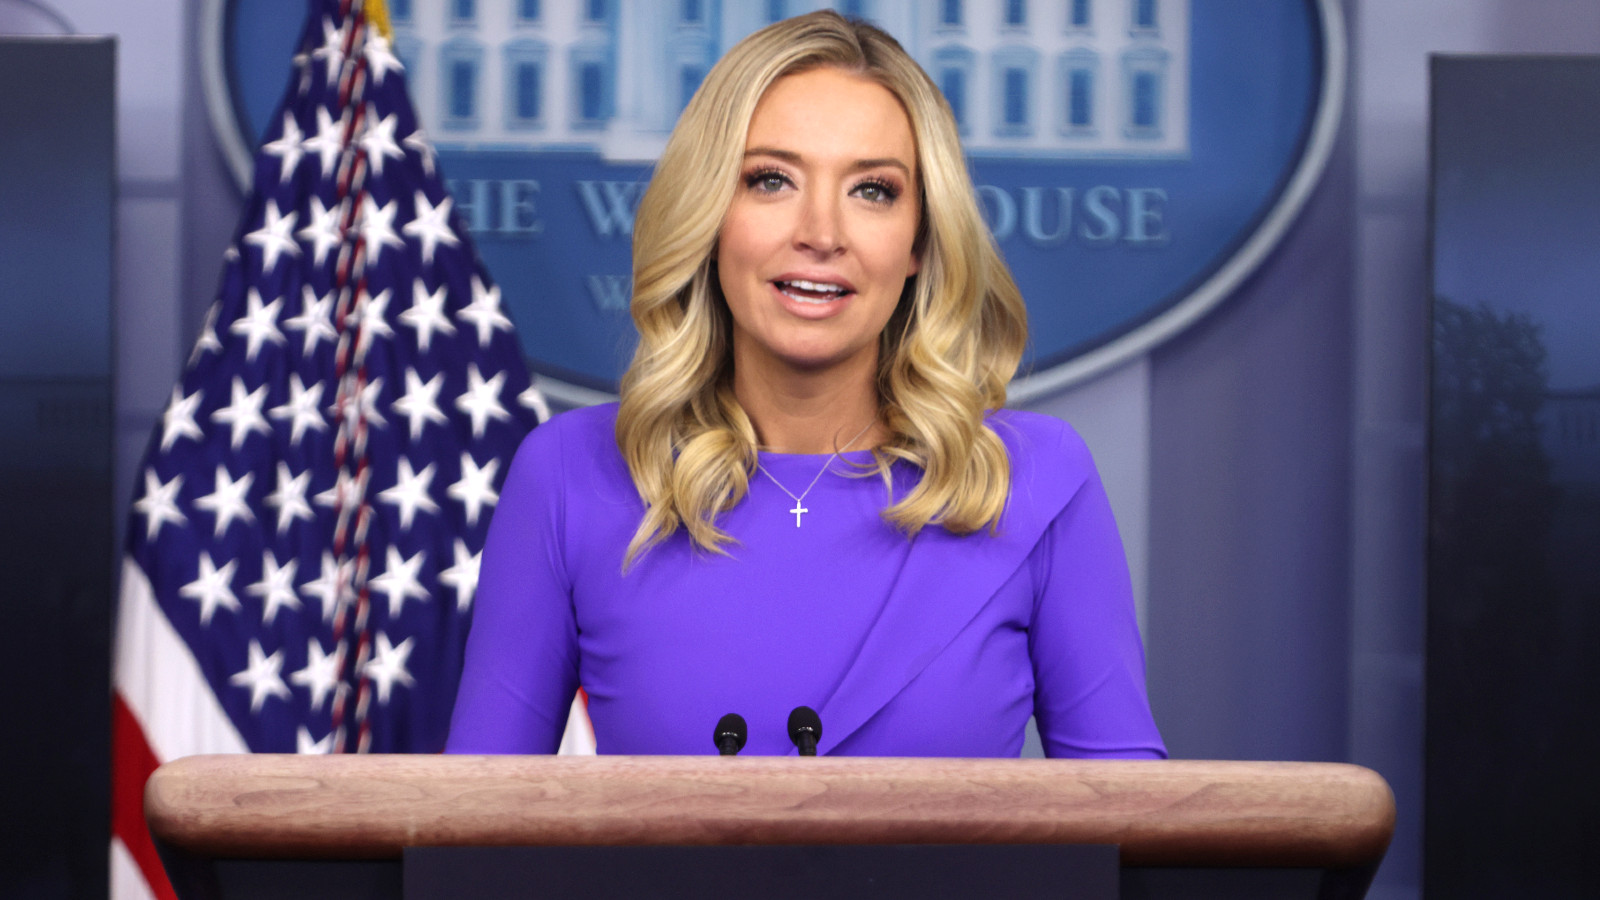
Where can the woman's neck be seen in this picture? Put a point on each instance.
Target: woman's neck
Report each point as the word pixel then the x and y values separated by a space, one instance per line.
pixel 805 414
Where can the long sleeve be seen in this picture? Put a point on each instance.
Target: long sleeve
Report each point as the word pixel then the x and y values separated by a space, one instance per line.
pixel 936 646
pixel 522 652
pixel 1088 661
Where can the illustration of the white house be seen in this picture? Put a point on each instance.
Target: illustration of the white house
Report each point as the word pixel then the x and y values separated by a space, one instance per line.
pixel 1035 78
pixel 1570 431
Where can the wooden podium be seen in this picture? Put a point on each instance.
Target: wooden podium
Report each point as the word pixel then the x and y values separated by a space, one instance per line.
pixel 308 826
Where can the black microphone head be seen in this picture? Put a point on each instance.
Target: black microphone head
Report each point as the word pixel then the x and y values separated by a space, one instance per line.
pixel 804 723
pixel 730 734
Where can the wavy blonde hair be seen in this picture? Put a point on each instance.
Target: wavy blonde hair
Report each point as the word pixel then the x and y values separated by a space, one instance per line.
pixel 944 359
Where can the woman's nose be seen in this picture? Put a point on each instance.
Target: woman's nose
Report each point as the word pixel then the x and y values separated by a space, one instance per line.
pixel 818 229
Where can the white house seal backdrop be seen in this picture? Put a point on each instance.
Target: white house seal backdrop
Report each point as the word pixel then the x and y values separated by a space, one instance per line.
pixel 1135 159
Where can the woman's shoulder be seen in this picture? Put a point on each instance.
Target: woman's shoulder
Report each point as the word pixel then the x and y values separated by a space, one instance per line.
pixel 584 425
pixel 1032 436
pixel 1049 461
pixel 584 437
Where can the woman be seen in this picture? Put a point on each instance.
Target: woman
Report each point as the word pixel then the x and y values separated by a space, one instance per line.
pixel 808 494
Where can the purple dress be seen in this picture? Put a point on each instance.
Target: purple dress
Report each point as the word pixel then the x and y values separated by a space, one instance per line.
pixel 941 645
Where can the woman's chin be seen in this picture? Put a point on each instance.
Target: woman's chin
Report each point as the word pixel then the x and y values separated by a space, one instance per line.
pixel 812 359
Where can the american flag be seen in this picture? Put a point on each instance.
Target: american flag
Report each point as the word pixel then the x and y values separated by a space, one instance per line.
pixel 303 548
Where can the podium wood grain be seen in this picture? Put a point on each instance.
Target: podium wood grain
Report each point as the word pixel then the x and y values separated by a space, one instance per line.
pixel 1171 813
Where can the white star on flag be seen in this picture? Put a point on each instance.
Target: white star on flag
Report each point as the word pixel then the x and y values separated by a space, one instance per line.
pixel 303 409
pixel 315 320
pixel 320 677
pixel 426 314
pixel 207 341
pixel 327 143
pixel 377 226
pixel 411 492
pixel 243 413
pixel 463 576
pixel 328 588
pixel 227 499
pixel 418 142
pixel 331 52
pixel 388 666
pixel 484 312
pixel 159 503
pixel 259 325
pixel 346 492
pixel 431 226
pixel 369 404
pixel 276 587
pixel 379 143
pixel 287 147
pixel 177 421
pixel 533 399
pixel 399 581
pixel 302 64
pixel 322 232
pixel 364 406
pixel 275 237
pixel 475 490
pixel 289 498
pixel 373 325
pixel 212 588
pixel 305 745
pixel 420 403
pixel 481 400
pixel 262 677
pixel 380 59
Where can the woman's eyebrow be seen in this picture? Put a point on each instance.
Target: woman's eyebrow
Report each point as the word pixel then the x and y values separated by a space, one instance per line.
pixel 790 156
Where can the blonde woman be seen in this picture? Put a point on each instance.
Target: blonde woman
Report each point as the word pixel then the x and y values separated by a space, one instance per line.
pixel 809 493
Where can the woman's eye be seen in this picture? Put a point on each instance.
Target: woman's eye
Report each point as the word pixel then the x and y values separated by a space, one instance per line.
pixel 876 192
pixel 766 182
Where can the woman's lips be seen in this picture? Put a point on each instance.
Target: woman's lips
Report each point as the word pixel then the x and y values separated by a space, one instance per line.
pixel 814 292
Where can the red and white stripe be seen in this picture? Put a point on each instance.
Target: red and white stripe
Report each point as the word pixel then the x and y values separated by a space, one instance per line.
pixel 162 709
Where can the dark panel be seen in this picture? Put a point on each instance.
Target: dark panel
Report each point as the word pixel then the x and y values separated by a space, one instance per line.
pixel 529 872
pixel 1021 871
pixel 1513 676
pixel 56 199
pixel 1222 884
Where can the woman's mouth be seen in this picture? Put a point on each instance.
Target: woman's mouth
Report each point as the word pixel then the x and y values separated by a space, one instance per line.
pixel 817 292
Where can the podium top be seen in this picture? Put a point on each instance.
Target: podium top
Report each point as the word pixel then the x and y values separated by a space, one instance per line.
pixel 1168 813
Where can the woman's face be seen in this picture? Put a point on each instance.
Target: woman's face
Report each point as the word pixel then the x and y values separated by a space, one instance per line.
pixel 816 248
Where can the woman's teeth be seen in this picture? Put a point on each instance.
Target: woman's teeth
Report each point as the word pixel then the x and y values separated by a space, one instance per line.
pixel 812 291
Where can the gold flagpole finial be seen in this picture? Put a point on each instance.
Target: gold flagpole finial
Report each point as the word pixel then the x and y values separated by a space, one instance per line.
pixel 378 14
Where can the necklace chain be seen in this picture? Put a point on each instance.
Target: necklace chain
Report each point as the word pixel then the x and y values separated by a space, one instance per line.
pixel 799 500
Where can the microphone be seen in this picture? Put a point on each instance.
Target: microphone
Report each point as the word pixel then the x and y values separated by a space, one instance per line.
pixel 805 729
pixel 730 734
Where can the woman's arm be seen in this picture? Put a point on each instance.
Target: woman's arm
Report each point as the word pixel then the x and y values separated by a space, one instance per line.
pixel 521 667
pixel 1088 661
